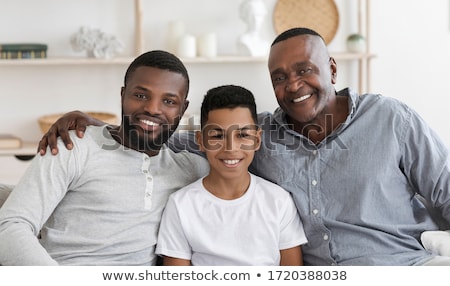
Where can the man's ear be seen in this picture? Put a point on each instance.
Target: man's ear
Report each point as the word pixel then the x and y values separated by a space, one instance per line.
pixel 186 105
pixel 199 140
pixel 122 95
pixel 333 68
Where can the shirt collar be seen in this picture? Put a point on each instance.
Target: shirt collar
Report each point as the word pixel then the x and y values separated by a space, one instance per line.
pixel 352 101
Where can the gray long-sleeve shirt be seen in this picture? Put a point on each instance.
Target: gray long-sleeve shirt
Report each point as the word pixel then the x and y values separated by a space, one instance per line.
pixel 99 204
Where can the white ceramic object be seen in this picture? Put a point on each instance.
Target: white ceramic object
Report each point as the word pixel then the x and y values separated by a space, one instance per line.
pixel 187 47
pixel 175 31
pixel 207 45
pixel 96 43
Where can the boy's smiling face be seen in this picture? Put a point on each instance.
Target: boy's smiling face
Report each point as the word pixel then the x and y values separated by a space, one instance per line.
pixel 229 139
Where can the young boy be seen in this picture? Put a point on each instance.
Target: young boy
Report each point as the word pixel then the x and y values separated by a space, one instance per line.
pixel 230 217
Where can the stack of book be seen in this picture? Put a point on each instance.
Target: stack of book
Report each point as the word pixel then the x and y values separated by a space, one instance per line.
pixel 23 51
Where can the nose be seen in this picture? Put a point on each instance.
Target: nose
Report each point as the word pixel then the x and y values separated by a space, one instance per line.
pixel 153 106
pixel 231 142
pixel 294 84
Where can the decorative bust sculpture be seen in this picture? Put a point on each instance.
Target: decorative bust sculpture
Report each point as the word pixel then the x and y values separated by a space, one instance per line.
pixel 252 12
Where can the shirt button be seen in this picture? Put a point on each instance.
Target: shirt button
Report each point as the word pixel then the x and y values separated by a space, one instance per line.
pixel 333 264
pixel 325 237
pixel 314 182
pixel 315 152
pixel 148 194
pixel 315 211
pixel 145 171
pixel 149 179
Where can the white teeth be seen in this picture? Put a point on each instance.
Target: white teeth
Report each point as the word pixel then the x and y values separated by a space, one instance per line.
pixel 301 98
pixel 231 162
pixel 148 122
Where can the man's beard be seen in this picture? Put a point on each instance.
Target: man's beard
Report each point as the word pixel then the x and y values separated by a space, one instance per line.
pixel 145 142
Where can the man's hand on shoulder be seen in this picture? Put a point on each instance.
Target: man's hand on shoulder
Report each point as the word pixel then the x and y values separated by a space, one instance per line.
pixel 74 120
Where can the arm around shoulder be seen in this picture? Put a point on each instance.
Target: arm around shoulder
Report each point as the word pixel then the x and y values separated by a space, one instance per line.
pixel 74 120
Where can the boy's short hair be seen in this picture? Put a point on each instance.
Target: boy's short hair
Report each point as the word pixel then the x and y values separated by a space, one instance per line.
pixel 227 96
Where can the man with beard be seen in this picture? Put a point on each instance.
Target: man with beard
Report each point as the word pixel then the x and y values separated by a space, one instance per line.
pixel 101 202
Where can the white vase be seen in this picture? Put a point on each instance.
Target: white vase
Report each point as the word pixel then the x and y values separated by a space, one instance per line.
pixel 187 47
pixel 207 45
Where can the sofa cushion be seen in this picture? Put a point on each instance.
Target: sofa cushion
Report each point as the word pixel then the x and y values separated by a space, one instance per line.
pixel 437 241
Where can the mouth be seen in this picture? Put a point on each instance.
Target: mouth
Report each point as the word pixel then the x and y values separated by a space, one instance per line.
pixel 231 162
pixel 301 98
pixel 148 124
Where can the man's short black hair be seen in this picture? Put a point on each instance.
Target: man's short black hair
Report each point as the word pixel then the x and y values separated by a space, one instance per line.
pixel 295 32
pixel 161 60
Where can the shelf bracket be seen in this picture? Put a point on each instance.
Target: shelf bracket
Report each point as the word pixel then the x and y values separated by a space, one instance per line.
pixel 139 41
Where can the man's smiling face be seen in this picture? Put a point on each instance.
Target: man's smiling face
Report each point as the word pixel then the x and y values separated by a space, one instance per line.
pixel 153 102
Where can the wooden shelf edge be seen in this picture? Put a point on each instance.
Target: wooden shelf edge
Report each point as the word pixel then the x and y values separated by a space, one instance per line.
pixel 64 61
pixel 120 61
pixel 128 60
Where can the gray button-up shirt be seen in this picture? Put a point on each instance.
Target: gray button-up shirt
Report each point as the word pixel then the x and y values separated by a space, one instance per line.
pixel 357 190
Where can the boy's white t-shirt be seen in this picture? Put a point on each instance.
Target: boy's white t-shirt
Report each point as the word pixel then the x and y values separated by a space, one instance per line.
pixel 250 230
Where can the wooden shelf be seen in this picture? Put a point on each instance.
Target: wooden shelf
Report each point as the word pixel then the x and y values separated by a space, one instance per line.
pixel 64 61
pixel 127 60
pixel 120 61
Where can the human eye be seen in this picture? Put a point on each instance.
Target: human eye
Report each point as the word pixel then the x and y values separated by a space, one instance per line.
pixel 305 71
pixel 215 135
pixel 243 134
pixel 169 101
pixel 140 95
pixel 278 78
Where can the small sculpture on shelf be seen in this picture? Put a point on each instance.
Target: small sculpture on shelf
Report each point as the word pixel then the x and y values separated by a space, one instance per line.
pixel 96 43
pixel 253 12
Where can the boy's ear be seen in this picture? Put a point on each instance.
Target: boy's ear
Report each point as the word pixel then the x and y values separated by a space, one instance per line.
pixel 199 139
pixel 258 139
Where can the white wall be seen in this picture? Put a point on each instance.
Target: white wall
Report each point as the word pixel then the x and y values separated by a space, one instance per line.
pixel 410 37
pixel 412 40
